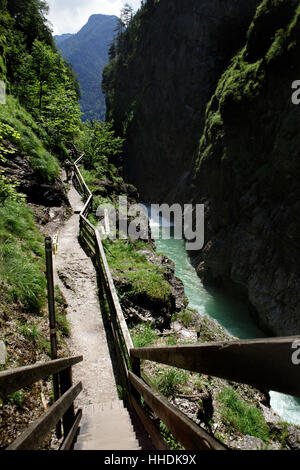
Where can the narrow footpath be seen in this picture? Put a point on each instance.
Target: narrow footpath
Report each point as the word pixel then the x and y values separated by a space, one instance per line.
pixel 106 423
pixel 76 277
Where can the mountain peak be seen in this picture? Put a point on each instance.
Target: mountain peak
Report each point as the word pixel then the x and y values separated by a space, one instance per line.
pixel 98 16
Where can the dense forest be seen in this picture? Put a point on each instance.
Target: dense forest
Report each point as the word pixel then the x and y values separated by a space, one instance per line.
pixel 39 120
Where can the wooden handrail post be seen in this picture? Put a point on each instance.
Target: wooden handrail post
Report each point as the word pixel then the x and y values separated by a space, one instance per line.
pixel 136 370
pixel 51 300
pixel 52 320
pixel 65 384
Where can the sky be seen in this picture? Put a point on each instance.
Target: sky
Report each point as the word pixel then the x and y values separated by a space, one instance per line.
pixel 68 16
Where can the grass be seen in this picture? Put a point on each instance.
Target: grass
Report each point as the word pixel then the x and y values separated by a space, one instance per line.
pixel 62 322
pixel 141 276
pixel 29 331
pixel 172 339
pixel 33 139
pixel 143 335
pixel 15 398
pixel 173 444
pixel 240 416
pixel 201 383
pixel 169 380
pixel 187 318
pixel 21 256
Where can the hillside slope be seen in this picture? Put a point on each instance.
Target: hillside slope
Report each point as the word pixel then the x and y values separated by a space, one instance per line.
pixel 87 51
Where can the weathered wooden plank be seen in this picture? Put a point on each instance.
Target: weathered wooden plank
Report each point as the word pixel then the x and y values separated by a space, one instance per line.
pixel 68 442
pixel 118 309
pixel 34 436
pixel 88 223
pixel 87 206
pixel 191 436
pixel 88 232
pixel 79 159
pixel 264 363
pixel 149 426
pixel 15 379
pixel 88 236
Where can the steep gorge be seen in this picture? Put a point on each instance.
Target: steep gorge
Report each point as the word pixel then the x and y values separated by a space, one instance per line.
pixel 239 157
pixel 247 172
pixel 162 73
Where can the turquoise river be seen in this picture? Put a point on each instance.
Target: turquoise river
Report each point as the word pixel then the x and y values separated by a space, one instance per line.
pixel 231 315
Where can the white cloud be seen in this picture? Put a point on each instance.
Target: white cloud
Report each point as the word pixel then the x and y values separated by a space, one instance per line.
pixel 68 16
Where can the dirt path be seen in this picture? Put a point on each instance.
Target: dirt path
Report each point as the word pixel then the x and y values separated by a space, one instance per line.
pixel 76 276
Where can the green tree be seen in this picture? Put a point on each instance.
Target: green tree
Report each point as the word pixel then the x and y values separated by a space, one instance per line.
pixel 30 18
pixel 100 143
pixel 62 116
pixel 126 14
pixel 41 72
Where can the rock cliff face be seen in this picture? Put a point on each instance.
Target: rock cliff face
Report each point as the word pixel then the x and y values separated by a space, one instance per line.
pixel 37 190
pixel 158 84
pixel 248 172
pixel 204 102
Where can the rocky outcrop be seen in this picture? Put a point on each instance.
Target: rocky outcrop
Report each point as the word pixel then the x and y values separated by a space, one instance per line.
pixel 164 71
pixel 144 308
pixel 247 173
pixel 37 190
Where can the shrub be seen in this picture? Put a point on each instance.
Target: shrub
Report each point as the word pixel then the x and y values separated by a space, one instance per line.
pixel 169 380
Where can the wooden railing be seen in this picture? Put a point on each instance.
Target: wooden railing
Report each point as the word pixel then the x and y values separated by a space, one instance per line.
pixel 16 379
pixel 264 363
pixel 90 238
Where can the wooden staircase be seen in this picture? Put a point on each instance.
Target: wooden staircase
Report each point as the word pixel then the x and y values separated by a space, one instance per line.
pixel 266 363
pixel 106 427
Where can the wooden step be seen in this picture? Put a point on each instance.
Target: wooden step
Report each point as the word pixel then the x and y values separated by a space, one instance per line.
pixel 106 427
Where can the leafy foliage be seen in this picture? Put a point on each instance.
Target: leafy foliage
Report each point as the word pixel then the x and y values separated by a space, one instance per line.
pixel 36 73
pixel 7 187
pixel 30 18
pixel 100 144
pixel 33 141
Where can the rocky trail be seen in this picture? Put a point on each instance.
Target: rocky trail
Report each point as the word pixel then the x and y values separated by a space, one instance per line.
pixel 76 277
